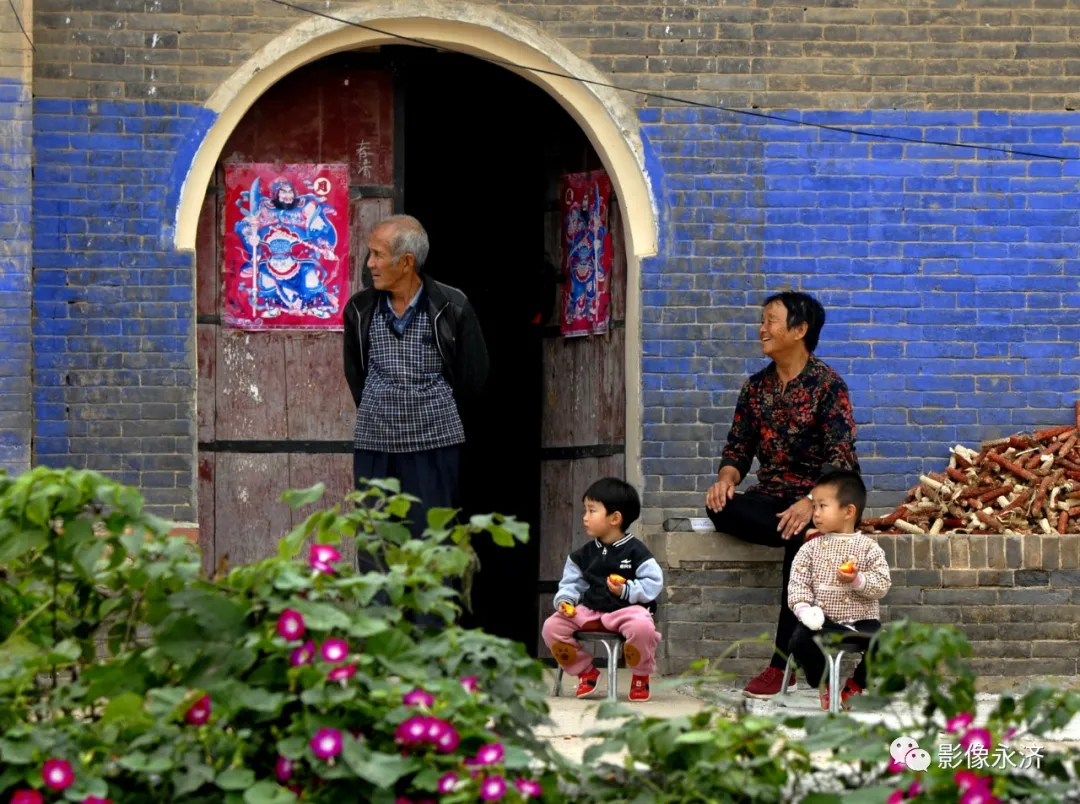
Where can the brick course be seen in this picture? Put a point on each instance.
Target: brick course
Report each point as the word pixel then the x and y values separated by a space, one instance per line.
pixel 15 240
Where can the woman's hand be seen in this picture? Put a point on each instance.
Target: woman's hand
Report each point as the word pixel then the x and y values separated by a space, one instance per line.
pixel 723 489
pixel 795 518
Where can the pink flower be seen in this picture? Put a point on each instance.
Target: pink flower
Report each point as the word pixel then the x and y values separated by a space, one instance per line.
pixel 96 800
pixel 418 698
pixel 979 795
pixel 342 673
pixel 447 783
pixel 490 754
pixel 1008 735
pixel 57 774
pixel 435 729
pixel 335 650
pixel 493 788
pixel 966 780
pixel 896 767
pixel 302 655
pixel 199 713
pixel 957 724
pixel 976 737
pixel 915 789
pixel 283 769
pixel 290 625
pixel 412 731
pixel 326 744
pixel 895 797
pixel 447 742
pixel 322 557
pixel 27 797
pixel 528 788
pixel 470 683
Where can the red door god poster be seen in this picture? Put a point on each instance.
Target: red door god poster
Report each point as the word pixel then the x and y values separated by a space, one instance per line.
pixel 286 246
pixel 587 255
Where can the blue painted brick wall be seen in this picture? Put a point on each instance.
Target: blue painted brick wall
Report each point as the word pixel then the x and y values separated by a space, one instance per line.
pixel 114 346
pixel 951 279
pixel 15 270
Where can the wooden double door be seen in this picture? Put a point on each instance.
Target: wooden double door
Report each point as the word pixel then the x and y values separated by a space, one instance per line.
pixel 274 411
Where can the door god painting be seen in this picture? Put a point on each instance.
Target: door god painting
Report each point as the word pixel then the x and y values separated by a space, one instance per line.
pixel 587 253
pixel 286 246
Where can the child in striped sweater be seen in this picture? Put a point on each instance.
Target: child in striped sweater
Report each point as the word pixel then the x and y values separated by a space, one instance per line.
pixel 837 579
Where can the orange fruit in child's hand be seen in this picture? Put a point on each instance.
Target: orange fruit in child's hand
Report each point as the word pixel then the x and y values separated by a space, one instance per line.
pixel 616 578
pixel 847 567
pixel 567 609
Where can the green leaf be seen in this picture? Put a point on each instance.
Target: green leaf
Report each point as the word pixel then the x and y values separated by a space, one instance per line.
pixel 87 556
pixel 298 498
pixel 126 708
pixel 363 626
pixel 322 616
pixel 235 779
pixel 292 747
pixel 195 775
pixel 694 738
pixel 439 518
pixel 381 770
pixel 389 644
pixel 214 612
pixel 268 793
pixel 17 753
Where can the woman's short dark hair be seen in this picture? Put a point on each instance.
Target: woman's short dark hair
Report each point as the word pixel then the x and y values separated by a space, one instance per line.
pixel 616 495
pixel 802 308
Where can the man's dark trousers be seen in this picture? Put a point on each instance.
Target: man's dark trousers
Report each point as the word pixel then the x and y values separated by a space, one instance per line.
pixel 431 474
pixel 752 517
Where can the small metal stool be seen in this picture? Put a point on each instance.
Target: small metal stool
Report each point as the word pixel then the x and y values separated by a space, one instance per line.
pixel 611 642
pixel 855 642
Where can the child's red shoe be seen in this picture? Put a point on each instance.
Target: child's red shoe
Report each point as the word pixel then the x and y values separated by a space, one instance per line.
pixel 587 682
pixel 639 688
pixel 850 690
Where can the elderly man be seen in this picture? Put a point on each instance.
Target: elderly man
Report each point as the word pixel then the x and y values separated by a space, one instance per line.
pixel 414 353
pixel 794 416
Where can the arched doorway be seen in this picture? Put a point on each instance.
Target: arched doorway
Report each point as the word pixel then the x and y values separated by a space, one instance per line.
pixel 481 175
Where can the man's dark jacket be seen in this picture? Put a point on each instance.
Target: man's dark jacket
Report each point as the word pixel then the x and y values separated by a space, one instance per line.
pixel 457 335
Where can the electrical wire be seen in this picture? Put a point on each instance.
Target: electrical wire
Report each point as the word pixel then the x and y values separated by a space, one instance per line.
pixel 673 99
pixel 21 26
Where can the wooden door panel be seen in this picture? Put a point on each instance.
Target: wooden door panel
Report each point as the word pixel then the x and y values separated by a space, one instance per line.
pixel 611 389
pixel 251 388
pixel 206 387
pixel 249 518
pixel 207 507
pixel 207 277
pixel 557 515
pixel 364 213
pixel 319 404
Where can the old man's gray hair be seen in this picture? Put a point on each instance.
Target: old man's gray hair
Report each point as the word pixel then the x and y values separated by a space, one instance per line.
pixel 407 237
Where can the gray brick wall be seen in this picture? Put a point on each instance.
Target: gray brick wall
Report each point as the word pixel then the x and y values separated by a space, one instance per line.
pixel 1017 599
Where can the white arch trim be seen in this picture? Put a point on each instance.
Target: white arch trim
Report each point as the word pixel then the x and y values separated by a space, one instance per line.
pixel 480 30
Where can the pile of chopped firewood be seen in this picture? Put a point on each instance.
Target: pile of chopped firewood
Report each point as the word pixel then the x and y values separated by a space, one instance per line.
pixel 1021 484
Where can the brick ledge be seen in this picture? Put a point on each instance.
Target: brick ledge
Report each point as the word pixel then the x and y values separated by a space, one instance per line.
pixel 689 541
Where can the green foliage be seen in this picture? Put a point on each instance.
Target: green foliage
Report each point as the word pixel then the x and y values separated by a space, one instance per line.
pixel 110 641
